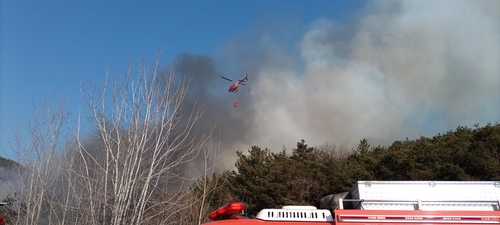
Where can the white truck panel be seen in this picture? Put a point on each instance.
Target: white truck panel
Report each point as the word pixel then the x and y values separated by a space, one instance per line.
pixel 433 195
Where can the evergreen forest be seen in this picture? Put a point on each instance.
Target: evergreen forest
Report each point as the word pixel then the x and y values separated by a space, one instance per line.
pixel 263 179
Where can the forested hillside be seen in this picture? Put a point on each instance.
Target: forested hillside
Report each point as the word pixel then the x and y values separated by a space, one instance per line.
pixel 7 163
pixel 263 179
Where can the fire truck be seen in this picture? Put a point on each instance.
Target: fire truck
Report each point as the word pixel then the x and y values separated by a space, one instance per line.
pixel 385 202
pixel 2 221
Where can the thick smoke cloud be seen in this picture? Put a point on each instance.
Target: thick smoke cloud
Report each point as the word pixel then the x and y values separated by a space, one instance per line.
pixel 208 90
pixel 403 69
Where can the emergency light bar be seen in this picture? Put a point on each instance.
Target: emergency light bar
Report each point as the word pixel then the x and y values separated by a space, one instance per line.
pixel 229 211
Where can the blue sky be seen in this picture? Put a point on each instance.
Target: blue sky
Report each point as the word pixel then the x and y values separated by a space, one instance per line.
pixel 323 71
pixel 48 47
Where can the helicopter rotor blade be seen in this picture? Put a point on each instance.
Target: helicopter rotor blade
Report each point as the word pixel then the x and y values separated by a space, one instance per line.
pixel 225 78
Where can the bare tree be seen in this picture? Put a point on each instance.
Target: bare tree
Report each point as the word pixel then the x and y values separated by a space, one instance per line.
pixel 192 204
pixel 145 143
pixel 130 168
pixel 38 153
pixel 341 153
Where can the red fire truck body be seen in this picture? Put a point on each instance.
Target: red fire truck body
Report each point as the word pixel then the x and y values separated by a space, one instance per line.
pixel 386 202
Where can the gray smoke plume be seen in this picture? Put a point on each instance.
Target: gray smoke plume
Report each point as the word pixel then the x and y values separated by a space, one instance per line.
pixel 207 88
pixel 402 69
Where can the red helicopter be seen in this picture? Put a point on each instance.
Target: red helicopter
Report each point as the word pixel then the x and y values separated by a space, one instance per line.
pixel 235 84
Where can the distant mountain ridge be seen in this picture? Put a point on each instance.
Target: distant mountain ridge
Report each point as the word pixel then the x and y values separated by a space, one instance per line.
pixel 8 163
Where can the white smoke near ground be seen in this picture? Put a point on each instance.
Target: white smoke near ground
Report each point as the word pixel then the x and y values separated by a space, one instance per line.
pixel 4 188
pixel 8 177
pixel 400 70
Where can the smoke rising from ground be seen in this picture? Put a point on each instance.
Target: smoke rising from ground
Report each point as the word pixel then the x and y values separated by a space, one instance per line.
pixel 403 69
pixel 4 188
pixel 7 178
